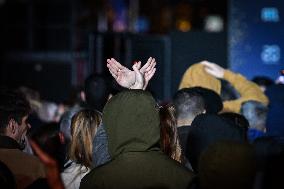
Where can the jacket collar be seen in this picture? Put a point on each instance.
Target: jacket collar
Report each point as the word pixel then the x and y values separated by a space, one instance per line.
pixel 8 142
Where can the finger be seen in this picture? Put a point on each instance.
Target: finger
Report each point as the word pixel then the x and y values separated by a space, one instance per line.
pixel 150 74
pixel 152 65
pixel 207 64
pixel 112 67
pixel 114 75
pixel 210 71
pixel 114 72
pixel 117 64
pixel 148 63
pixel 138 65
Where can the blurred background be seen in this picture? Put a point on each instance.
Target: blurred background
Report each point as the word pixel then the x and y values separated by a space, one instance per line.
pixel 53 45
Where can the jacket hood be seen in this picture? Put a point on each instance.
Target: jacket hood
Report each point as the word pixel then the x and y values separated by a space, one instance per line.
pixel 195 76
pixel 131 122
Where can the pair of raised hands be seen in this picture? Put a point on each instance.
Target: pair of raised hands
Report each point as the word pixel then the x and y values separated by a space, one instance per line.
pixel 138 78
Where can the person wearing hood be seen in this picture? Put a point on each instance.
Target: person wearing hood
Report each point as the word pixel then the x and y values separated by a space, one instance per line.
pixel 132 125
pixel 206 74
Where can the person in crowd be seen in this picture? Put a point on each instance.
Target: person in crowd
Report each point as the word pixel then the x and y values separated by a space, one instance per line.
pixel 132 124
pixel 96 91
pixel 239 120
pixel 95 95
pixel 84 126
pixel 207 129
pixel 256 114
pixel 52 141
pixel 207 75
pixel 227 164
pixel 170 144
pixel 14 112
pixel 188 103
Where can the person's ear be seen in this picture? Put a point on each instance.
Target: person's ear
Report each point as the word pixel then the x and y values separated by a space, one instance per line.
pixel 12 126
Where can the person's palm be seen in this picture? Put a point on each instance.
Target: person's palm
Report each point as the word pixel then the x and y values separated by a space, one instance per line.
pixel 125 77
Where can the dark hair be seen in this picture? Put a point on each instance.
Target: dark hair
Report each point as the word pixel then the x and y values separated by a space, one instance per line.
pixel 263 81
pixel 188 103
pixel 97 89
pixel 47 137
pixel 212 100
pixel 237 119
pixel 13 105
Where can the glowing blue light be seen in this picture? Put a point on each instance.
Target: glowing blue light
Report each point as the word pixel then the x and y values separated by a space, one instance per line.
pixel 270 14
pixel 270 54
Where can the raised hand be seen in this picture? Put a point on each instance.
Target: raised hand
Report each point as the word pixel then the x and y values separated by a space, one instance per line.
pixel 127 78
pixel 148 70
pixel 123 76
pixel 213 69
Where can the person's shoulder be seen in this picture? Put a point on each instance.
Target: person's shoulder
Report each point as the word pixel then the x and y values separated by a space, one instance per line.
pixel 25 157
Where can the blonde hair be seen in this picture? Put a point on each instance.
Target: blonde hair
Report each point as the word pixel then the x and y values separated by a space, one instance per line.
pixel 83 130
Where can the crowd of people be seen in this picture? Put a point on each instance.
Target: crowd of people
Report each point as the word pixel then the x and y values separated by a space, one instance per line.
pixel 219 130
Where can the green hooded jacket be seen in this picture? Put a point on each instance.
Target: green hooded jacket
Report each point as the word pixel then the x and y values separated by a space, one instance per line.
pixel 132 125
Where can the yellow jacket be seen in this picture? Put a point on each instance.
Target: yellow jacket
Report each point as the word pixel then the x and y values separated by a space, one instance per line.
pixel 195 75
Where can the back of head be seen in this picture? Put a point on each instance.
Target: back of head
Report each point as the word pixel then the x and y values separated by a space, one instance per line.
pixel 188 103
pixel 97 90
pixel 237 119
pixel 132 122
pixel 227 164
pixel 256 114
pixel 212 100
pixel 13 105
pixel 207 129
pixel 84 127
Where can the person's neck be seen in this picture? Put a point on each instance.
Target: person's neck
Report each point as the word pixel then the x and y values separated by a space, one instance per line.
pixel 184 122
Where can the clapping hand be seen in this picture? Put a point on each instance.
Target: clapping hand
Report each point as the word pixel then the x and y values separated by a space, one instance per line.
pixel 131 78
